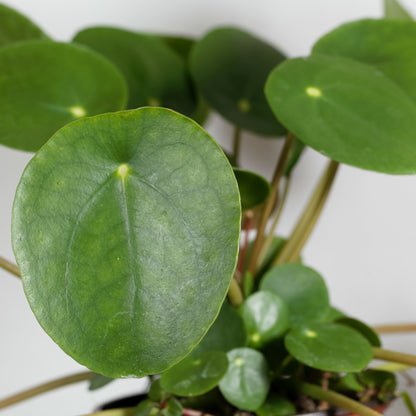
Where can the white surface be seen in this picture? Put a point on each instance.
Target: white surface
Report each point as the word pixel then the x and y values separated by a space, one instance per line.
pixel 364 244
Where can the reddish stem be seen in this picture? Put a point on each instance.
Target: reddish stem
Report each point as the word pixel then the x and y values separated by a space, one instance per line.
pixel 243 251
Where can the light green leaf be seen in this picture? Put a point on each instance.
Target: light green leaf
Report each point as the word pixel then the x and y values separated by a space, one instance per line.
pixel 254 189
pixel 303 290
pixel 15 27
pixel 329 347
pixel 230 68
pixel 276 405
pixel 155 75
pixel 246 383
pixel 173 408
pixel 265 316
pixel 195 375
pixel 394 10
pixel 113 229
pixel 350 112
pixel 45 85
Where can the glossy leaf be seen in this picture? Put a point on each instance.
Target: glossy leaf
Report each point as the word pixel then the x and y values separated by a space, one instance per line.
pixel 265 316
pixel 98 380
pixel 226 333
pixel 254 189
pixel 303 290
pixel 195 375
pixel 230 68
pixel 45 85
pixel 155 75
pixel 114 252
pixel 350 112
pixel 394 10
pixel 329 347
pixel 15 27
pixel 388 45
pixel 276 405
pixel 362 328
pixel 246 383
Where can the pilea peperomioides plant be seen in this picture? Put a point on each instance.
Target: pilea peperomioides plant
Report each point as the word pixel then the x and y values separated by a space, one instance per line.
pixel 126 222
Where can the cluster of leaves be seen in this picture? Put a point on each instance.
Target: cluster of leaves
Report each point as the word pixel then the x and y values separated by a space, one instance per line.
pixel 126 224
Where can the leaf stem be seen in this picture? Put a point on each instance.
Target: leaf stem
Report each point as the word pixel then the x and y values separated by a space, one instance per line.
pixel 10 267
pixel 391 329
pixel 235 294
pixel 335 399
pixel 408 402
pixel 268 207
pixel 127 411
pixel 43 388
pixel 236 144
pixel 393 356
pixel 293 247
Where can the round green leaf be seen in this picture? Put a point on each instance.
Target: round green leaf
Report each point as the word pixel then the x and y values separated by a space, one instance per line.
pixel 394 10
pixel 303 290
pixel 113 229
pixel 246 383
pixel 362 328
pixel 265 316
pixel 350 112
pixel 45 85
pixel 276 405
pixel 230 68
pixel 254 189
pixel 329 347
pixel 226 333
pixel 155 74
pixel 195 375
pixel 14 27
pixel 388 45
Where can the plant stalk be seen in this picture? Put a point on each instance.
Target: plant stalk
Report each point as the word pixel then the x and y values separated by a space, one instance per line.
pixel 10 267
pixel 236 144
pixel 43 388
pixel 268 207
pixel 392 329
pixel 393 356
pixel 294 245
pixel 127 411
pixel 235 294
pixel 335 399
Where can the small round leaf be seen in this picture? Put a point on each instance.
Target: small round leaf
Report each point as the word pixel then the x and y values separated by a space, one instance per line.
pixel 195 375
pixel 303 290
pixel 246 383
pixel 265 316
pixel 113 227
pixel 45 85
pixel 276 405
pixel 230 68
pixel 329 347
pixel 254 189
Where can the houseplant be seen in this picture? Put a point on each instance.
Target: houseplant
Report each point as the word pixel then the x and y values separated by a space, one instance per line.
pixel 89 163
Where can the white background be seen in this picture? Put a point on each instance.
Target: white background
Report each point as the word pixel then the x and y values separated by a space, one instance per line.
pixel 364 244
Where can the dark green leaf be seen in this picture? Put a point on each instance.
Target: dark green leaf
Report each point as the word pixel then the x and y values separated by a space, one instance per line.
pixel 173 408
pixel 394 10
pixel 98 380
pixel 350 112
pixel 246 383
pixel 182 46
pixel 45 85
pixel 265 316
pixel 329 347
pixel 295 153
pixel 195 375
pixel 388 45
pixel 155 74
pixel 362 328
pixel 276 405
pixel 14 27
pixel 230 68
pixel 303 290
pixel 383 382
pixel 226 333
pixel 147 408
pixel 114 253
pixel 254 189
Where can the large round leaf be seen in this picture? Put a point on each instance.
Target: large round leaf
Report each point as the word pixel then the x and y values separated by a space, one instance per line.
pixel 388 45
pixel 14 27
pixel 303 290
pixel 125 228
pixel 246 383
pixel 195 375
pixel 155 74
pixel 230 67
pixel 346 110
pixel 329 347
pixel 45 85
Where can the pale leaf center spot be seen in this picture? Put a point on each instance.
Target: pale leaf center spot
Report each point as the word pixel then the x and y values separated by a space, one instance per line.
pixel 244 105
pixel 311 334
pixel 77 111
pixel 122 171
pixel 238 362
pixel 314 92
